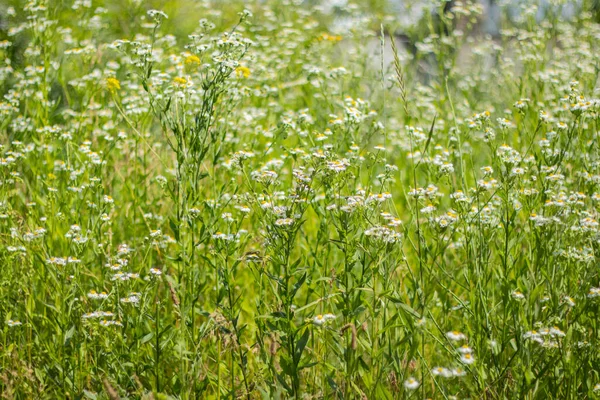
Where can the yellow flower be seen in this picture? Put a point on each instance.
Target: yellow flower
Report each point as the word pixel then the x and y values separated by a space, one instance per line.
pixel 329 38
pixel 192 60
pixel 242 71
pixel 180 81
pixel 113 84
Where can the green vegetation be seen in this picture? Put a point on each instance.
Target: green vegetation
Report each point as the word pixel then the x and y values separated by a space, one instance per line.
pixel 274 199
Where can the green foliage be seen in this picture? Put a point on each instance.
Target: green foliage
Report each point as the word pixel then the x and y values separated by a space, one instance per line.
pixel 276 199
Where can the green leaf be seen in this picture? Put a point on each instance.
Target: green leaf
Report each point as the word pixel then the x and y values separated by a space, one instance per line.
pixel 300 345
pixel 69 334
pixel 298 285
pixel 284 363
pixel 281 380
pixel 312 364
pixel 174 228
pixel 404 306
pixel 147 338
pixel 332 383
pixel 430 135
pixel 529 376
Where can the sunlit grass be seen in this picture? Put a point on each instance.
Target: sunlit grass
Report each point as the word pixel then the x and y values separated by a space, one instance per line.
pixel 280 200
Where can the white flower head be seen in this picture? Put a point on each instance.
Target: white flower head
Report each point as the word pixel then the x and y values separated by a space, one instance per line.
pixel 322 319
pixel 467 359
pixel 411 383
pixel 456 336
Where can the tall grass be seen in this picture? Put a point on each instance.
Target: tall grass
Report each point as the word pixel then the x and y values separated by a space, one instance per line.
pixel 277 200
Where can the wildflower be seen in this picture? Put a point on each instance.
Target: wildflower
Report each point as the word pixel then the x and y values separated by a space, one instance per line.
pixel 460 197
pixel 179 81
pixel 243 208
pixel 487 170
pixel 155 271
pixel 446 168
pixel 446 220
pixel 533 335
pixel 489 135
pixel 157 15
pixel 192 60
pixel 517 295
pixel 441 371
pixel 338 165
pixel 97 314
pixel 242 71
pixel 428 209
pixel 456 336
pixel 384 234
pixel 223 236
pixel 517 171
pixel 57 261
pixel 106 323
pixel 161 180
pixel 555 331
pixel 569 301
pixel 225 216
pixel 521 104
pixel 122 276
pixel 320 319
pixel 487 185
pixel 504 123
pixel 411 383
pixel 284 222
pixel 593 293
pixel 329 38
pixel 133 298
pixel 113 84
pixel 394 222
pixel 95 296
pixel 155 233
pixel 464 349
pixel 467 359
pixel 12 323
pixel 266 177
pixel 380 197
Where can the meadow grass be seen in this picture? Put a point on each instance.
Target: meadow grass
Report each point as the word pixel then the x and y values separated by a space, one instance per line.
pixel 273 199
